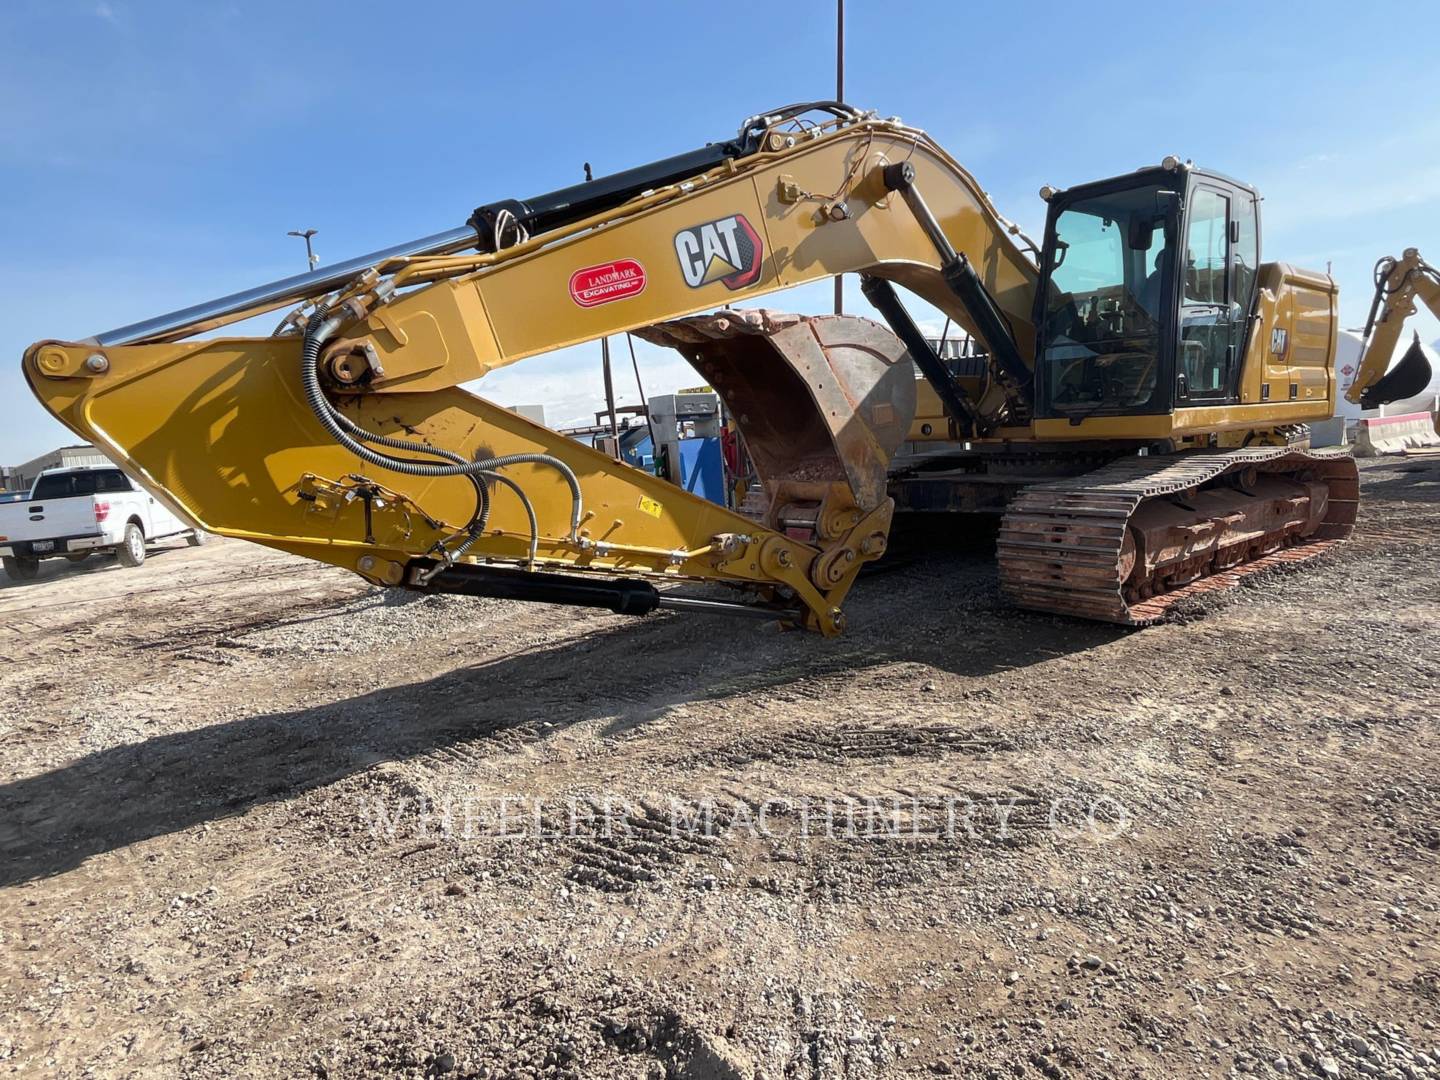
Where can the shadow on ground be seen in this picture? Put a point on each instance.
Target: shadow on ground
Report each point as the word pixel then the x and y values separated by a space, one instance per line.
pixel 945 612
pixel 941 610
pixel 55 568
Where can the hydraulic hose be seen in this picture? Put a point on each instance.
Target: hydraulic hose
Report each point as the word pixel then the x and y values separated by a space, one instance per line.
pixel 500 478
pixel 478 520
pixel 322 327
pixel 391 442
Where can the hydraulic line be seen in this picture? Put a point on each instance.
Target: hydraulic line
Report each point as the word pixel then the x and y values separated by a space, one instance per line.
pixel 474 530
pixel 478 520
pixel 391 442
pixel 321 328
pixel 501 478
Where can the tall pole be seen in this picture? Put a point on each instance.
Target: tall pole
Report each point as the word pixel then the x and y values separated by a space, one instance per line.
pixel 610 392
pixel 644 401
pixel 839 96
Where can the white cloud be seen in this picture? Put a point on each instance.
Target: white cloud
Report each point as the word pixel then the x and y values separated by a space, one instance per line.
pixel 106 13
pixel 570 386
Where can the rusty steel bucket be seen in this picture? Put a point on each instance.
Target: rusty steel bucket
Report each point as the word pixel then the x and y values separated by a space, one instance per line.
pixel 822 402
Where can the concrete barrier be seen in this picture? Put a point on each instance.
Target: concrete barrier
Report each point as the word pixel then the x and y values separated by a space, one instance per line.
pixel 1395 434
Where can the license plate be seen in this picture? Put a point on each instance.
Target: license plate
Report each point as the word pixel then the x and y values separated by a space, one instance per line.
pixel 43 545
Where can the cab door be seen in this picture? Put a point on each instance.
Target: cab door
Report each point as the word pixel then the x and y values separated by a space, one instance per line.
pixel 1210 320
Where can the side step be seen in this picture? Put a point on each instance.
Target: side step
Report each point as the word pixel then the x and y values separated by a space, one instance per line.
pixel 1068 547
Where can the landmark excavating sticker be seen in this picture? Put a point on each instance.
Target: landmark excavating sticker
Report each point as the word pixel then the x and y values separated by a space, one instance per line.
pixel 606 283
pixel 727 250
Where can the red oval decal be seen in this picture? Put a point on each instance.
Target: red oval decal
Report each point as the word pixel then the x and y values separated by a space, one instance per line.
pixel 606 283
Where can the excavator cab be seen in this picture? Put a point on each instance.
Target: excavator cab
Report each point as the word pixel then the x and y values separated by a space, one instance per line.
pixel 1147 284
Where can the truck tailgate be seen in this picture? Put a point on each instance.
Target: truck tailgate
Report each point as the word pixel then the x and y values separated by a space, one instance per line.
pixel 46 519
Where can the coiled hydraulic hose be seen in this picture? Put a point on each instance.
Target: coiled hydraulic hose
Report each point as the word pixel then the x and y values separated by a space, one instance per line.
pixel 348 434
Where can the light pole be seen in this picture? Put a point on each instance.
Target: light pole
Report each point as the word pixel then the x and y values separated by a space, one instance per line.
pixel 306 234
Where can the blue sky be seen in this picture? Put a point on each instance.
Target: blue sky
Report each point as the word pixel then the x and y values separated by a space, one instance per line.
pixel 154 152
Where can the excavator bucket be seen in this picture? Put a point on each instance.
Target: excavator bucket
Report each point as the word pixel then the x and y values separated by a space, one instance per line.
pixel 823 403
pixel 1406 379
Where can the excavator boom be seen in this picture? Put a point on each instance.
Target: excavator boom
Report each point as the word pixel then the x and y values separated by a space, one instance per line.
pixel 345 437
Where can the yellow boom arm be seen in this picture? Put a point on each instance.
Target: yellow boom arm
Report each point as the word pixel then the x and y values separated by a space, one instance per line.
pixel 346 438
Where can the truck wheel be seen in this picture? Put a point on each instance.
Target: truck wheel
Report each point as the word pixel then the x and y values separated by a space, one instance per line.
pixel 21 567
pixel 131 550
pixel 77 556
pixel 198 538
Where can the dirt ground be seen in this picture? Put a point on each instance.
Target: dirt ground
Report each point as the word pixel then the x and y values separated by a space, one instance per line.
pixel 258 819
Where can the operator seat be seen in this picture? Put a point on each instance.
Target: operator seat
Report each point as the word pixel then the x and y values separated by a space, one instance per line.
pixel 1152 297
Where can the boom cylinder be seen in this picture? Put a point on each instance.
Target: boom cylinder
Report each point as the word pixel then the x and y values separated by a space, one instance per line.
pixel 540 213
pixel 284 291
pixel 624 596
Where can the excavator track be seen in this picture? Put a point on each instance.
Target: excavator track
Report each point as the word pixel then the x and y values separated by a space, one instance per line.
pixel 1077 547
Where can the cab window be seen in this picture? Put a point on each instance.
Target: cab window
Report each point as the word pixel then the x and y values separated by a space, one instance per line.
pixel 1205 243
pixel 1105 301
pixel 1246 256
pixel 1206 318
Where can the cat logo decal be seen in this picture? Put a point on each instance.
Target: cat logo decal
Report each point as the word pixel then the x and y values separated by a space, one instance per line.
pixel 727 250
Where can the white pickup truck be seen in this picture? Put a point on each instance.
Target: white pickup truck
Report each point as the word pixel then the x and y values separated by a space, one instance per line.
pixel 78 511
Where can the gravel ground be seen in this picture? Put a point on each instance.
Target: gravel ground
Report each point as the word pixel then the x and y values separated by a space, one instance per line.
pixel 259 819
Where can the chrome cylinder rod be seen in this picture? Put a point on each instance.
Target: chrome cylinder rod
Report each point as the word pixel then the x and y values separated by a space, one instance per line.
pixel 285 291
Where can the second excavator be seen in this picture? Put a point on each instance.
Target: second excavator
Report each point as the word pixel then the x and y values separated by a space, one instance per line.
pixel 1137 410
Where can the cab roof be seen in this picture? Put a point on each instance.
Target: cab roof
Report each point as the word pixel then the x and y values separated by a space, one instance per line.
pixel 1150 174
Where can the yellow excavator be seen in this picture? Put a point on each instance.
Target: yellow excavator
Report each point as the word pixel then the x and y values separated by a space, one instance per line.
pixel 1137 411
